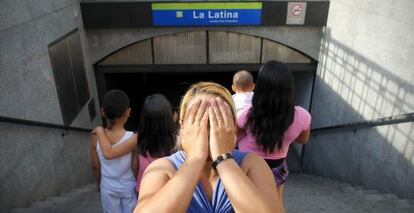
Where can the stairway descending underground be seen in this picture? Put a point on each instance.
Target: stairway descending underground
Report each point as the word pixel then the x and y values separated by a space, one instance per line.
pixel 303 194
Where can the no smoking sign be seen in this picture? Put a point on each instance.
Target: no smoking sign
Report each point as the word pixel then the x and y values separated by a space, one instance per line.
pixel 296 12
pixel 296 9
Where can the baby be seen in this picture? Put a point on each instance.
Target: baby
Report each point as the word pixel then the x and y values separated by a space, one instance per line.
pixel 243 87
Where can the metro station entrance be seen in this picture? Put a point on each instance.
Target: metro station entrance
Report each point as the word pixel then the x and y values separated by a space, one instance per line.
pixel 170 64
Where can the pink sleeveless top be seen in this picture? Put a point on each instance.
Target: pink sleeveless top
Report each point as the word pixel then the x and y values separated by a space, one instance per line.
pixel 143 164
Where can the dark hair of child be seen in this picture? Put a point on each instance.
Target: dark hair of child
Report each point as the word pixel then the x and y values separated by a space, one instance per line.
pixel 156 130
pixel 115 103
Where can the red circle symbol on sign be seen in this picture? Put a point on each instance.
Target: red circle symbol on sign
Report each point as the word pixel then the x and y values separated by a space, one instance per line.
pixel 296 9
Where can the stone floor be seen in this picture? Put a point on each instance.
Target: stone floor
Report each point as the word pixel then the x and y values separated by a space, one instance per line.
pixel 303 193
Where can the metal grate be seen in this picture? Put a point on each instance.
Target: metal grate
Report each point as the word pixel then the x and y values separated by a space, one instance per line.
pixel 232 48
pixel 181 48
pixel 138 53
pixel 193 48
pixel 275 51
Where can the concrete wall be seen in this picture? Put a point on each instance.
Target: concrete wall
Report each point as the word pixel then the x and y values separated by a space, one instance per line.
pixel 365 72
pixel 38 162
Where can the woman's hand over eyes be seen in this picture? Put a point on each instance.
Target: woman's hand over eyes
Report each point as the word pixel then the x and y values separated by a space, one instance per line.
pixel 222 128
pixel 194 133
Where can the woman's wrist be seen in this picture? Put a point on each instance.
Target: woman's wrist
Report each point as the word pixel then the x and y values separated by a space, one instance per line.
pixel 195 160
pixel 224 165
pixel 221 158
pixel 214 155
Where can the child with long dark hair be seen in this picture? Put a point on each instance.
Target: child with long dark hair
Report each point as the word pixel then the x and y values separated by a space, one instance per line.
pixel 273 122
pixel 157 132
pixel 156 135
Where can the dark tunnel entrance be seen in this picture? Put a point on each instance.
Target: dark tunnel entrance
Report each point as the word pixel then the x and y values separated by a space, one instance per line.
pixel 138 83
pixel 171 85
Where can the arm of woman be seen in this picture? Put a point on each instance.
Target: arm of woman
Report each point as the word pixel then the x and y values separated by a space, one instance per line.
pixel 160 193
pixel 257 187
pixel 303 137
pixel 110 152
pixel 304 121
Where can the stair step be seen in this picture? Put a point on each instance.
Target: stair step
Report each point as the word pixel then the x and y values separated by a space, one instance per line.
pixel 60 199
pixel 35 210
pixel 19 210
pixel 370 191
pixel 403 203
pixel 42 204
pixel 380 197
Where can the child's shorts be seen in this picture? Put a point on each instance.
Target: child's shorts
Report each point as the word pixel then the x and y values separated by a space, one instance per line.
pixel 118 201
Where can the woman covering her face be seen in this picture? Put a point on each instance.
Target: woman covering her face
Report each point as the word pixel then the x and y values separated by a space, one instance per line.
pixel 208 174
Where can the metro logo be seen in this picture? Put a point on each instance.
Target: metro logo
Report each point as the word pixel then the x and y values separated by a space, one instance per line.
pixel 179 14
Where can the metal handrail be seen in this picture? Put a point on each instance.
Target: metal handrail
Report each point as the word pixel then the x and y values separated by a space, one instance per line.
pixel 402 118
pixel 41 124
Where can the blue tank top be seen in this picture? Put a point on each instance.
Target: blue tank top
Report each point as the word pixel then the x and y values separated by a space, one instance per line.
pixel 220 202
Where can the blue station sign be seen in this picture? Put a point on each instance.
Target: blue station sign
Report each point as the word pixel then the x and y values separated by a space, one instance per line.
pixel 206 13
